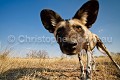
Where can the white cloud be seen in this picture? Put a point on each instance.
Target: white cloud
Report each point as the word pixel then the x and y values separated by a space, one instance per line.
pixel 101 30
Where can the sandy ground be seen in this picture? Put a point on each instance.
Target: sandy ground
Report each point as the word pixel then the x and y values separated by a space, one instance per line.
pixel 55 69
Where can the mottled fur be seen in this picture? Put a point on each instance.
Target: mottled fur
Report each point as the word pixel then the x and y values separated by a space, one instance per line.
pixel 73 35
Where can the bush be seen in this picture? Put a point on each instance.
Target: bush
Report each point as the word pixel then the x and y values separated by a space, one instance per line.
pixel 37 54
pixel 4 54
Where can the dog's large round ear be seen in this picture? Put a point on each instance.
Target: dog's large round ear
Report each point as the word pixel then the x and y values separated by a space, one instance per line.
pixel 49 19
pixel 88 13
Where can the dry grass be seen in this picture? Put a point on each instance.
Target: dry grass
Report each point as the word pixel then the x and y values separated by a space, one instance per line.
pixel 54 69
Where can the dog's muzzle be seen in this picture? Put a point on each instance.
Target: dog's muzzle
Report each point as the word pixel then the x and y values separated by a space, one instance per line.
pixel 69 47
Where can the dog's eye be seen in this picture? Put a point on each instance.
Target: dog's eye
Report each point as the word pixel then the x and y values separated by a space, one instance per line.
pixel 60 30
pixel 78 28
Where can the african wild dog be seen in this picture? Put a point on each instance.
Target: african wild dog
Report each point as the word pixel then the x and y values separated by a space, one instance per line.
pixel 73 35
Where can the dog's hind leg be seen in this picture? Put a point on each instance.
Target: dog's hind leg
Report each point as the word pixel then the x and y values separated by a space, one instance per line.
pixel 101 47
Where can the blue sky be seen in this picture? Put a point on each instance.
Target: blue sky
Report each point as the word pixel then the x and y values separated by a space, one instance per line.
pixel 20 18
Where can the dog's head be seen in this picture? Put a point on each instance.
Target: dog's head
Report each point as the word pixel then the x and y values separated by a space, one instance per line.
pixel 71 34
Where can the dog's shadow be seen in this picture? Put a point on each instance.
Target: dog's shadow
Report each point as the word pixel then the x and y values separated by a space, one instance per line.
pixel 31 73
pixel 15 74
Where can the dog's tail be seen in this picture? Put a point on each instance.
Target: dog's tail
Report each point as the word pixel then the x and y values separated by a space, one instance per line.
pixel 101 47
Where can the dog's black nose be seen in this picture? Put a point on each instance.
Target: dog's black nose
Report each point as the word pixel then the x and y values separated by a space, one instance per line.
pixel 69 44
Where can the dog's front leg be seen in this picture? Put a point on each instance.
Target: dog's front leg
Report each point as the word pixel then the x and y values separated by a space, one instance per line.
pixel 89 66
pixel 93 62
pixel 82 76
